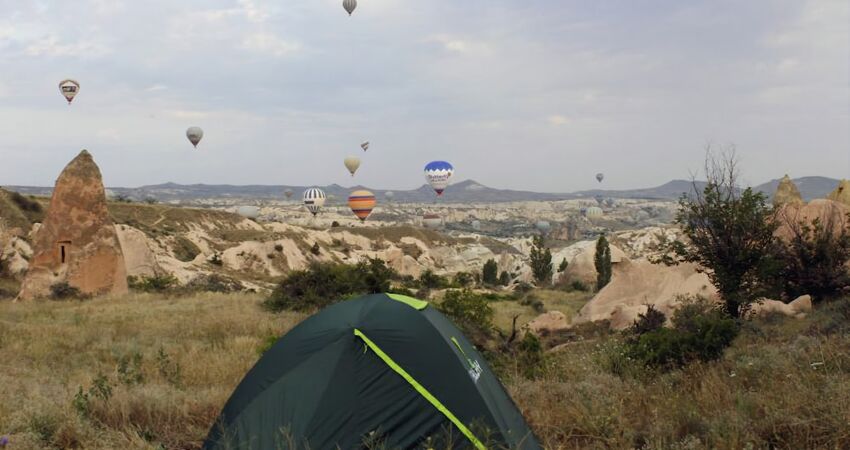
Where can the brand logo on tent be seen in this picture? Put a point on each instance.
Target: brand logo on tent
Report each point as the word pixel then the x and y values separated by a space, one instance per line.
pixel 474 370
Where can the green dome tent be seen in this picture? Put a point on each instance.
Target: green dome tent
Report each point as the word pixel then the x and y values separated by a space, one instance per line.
pixel 382 366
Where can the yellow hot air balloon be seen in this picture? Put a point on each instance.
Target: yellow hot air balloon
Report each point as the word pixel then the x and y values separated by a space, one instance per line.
pixel 352 163
pixel 361 203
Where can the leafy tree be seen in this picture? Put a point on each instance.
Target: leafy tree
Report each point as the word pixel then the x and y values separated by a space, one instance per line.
pixel 489 274
pixel 602 260
pixel 470 311
pixel 541 260
pixel 430 280
pixel 812 256
pixel 730 234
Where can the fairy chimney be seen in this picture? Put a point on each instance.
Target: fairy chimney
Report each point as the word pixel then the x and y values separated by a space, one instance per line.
pixel 77 242
pixel 841 194
pixel 787 193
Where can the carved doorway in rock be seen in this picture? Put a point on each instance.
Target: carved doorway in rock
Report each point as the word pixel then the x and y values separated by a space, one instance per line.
pixel 63 251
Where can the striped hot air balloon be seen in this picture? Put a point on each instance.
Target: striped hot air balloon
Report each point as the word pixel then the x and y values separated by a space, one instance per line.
pixel 349 6
pixel 69 89
pixel 314 199
pixel 361 203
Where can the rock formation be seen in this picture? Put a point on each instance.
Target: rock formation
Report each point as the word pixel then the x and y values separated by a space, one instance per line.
pixel 831 215
pixel 77 242
pixel 798 308
pixel 841 194
pixel 787 193
pixel 548 322
pixel 582 267
pixel 636 284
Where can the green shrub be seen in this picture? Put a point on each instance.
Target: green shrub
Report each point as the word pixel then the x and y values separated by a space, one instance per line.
pixel 325 283
pixel 469 311
pixel 212 283
pixel 64 291
pixel 129 369
pixel 649 321
pixel 700 333
pixel 430 280
pixel 169 369
pixel 831 318
pixel 185 250
pixel 541 260
pixel 489 272
pixel 25 203
pixel 602 262
pixel 578 285
pixel 315 249
pixel 531 357
pixel 462 279
pixel 156 283
pixel 267 343
pixel 504 278
pixel 563 266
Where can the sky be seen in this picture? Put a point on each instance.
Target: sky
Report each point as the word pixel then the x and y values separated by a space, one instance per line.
pixel 535 95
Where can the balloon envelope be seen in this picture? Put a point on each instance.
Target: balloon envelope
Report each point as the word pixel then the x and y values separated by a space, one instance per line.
pixel 600 176
pixel 476 224
pixel 69 89
pixel 389 194
pixel 361 203
pixel 352 163
pixel 543 225
pixel 593 212
pixel 250 212
pixel 349 6
pixel 438 174
pixel 195 134
pixel 288 193
pixel 365 146
pixel 314 199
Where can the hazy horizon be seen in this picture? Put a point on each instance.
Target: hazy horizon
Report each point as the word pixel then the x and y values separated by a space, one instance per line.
pixel 537 96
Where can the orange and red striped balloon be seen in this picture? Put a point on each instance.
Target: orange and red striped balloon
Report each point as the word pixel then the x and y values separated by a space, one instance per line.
pixel 361 203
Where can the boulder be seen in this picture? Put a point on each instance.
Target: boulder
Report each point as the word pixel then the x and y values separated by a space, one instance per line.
pixel 841 194
pixel 798 308
pixel 787 193
pixel 547 323
pixel 77 242
pixel 635 284
pixel 139 259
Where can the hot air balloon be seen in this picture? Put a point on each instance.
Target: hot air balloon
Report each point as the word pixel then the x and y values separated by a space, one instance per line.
pixel 543 226
pixel 349 6
pixel 432 221
pixel 314 199
pixel 69 89
pixel 195 134
pixel 593 212
pixel 361 204
pixel 288 193
pixel 352 163
pixel 599 199
pixel 600 176
pixel 476 225
pixel 365 145
pixel 438 174
pixel 250 212
pixel 389 195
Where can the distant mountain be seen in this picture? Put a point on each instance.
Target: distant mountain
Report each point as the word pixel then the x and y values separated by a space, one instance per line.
pixel 468 191
pixel 810 187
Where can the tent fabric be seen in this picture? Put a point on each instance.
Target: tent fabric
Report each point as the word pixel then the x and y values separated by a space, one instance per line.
pixel 358 371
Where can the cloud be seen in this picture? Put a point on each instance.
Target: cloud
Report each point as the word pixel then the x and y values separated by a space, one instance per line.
pixel 52 46
pixel 558 120
pixel 458 45
pixel 156 88
pixel 269 44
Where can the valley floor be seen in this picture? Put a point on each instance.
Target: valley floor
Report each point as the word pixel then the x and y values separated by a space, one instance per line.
pixel 148 372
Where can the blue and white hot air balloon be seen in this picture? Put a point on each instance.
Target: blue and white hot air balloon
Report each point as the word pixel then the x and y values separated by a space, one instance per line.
pixel 438 174
pixel 314 199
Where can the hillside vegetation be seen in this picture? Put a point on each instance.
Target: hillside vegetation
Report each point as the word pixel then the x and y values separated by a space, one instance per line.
pixel 145 372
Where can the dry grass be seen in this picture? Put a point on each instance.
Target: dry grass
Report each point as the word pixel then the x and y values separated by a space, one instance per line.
pixel 765 392
pixel 568 303
pixel 51 349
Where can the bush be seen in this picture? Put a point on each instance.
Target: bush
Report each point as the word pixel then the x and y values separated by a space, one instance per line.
pixel 700 333
pixel 651 320
pixel 489 272
pixel 531 358
pixel 26 204
pixel 812 259
pixel 64 291
pixel 430 280
pixel 325 283
pixel 831 318
pixel 469 311
pixel 213 283
pixel 315 249
pixel 602 262
pixel 462 279
pixel 504 278
pixel 156 283
pixel 334 224
pixel 563 266
pixel 185 250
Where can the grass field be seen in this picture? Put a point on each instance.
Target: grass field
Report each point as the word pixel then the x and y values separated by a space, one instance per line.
pixel 148 372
